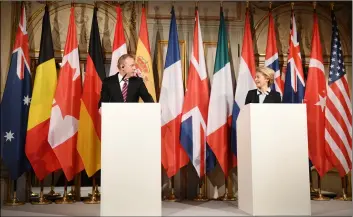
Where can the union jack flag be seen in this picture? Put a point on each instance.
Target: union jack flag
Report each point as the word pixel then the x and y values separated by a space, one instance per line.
pixel 338 113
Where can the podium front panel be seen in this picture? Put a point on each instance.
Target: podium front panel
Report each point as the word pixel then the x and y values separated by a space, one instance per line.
pixel 131 159
pixel 273 165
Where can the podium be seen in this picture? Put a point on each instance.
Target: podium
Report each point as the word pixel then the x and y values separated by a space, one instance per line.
pixel 131 159
pixel 273 163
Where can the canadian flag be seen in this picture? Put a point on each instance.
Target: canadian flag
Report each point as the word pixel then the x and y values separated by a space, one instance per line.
pixel 66 107
pixel 119 44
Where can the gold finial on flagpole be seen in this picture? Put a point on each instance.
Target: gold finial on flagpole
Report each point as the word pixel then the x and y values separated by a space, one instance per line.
pixel 197 4
pixel 247 4
pixel 314 5
pixel 221 2
pixel 270 5
pixel 332 5
pixel 292 5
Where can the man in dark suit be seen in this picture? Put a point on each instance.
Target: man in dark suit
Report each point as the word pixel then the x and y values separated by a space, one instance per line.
pixel 263 94
pixel 124 86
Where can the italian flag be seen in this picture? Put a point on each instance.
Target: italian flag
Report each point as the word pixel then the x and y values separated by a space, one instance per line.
pixel 221 102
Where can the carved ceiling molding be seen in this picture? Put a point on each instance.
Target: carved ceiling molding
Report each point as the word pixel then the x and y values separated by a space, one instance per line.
pixel 202 10
pixel 281 14
pixel 106 20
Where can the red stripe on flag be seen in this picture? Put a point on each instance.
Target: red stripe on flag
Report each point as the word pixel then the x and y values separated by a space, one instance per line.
pixel 144 30
pixel 119 38
pixel 173 155
pixel 39 151
pixel 91 94
pixel 247 49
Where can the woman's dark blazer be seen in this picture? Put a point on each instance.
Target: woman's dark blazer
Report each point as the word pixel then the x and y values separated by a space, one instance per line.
pixel 272 97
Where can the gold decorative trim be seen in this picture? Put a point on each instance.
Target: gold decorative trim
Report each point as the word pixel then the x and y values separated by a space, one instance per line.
pixel 182 46
pixel 39 11
pixel 203 18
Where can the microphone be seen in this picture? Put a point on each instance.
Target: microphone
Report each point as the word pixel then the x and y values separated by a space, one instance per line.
pixel 123 78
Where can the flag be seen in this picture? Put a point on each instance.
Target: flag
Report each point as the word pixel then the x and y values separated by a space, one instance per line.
pixel 246 79
pixel 38 149
pixel 15 104
pixel 221 102
pixel 338 113
pixel 195 108
pixel 294 85
pixel 143 56
pixel 89 127
pixel 315 96
pixel 119 44
pixel 171 101
pixel 65 111
pixel 271 59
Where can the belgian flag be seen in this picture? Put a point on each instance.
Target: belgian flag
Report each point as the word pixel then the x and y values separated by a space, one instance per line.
pixel 89 130
pixel 38 150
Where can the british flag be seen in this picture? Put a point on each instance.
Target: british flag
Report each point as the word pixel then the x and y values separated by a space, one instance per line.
pixel 338 113
pixel 15 104
pixel 294 85
pixel 195 108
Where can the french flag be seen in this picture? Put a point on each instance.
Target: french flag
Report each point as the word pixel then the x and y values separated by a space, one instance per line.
pixel 195 108
pixel 246 79
pixel 171 100
pixel 271 59
pixel 294 85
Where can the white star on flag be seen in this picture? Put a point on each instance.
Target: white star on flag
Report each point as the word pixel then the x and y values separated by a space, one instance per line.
pixel 26 100
pixel 9 136
pixel 321 102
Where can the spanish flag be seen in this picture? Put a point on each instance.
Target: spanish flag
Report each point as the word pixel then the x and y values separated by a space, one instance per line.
pixel 89 130
pixel 143 56
pixel 38 150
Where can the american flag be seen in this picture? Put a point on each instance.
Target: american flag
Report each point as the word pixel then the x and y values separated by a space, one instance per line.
pixel 338 114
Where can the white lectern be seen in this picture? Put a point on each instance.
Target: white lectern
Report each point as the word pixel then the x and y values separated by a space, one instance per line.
pixel 131 159
pixel 273 164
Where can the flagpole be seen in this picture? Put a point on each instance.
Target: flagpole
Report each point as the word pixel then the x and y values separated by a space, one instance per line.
pixel 72 192
pixel 201 197
pixel 65 199
pixel 320 197
pixel 172 197
pixel 52 192
pixel 228 196
pixel 312 189
pixel 42 200
pixel 344 196
pixel 94 199
pixel 14 201
pixel 29 185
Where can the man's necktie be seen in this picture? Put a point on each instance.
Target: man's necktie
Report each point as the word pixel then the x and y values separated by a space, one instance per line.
pixel 124 91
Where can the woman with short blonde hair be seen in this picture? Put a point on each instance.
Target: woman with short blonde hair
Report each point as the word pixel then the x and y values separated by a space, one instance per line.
pixel 263 94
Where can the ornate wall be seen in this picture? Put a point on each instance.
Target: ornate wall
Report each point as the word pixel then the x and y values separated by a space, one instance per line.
pixel 158 25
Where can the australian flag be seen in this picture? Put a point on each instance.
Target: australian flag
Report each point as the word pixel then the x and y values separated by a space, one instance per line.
pixel 294 85
pixel 15 105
